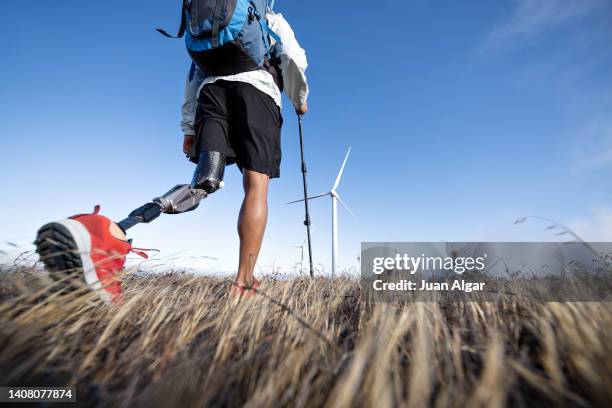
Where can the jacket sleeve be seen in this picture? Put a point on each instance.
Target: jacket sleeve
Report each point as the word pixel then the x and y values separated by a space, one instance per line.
pixel 188 110
pixel 292 58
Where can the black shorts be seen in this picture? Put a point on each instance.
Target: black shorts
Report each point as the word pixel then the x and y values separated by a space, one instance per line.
pixel 240 121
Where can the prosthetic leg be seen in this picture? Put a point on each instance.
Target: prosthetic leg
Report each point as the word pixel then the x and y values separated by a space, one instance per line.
pixel 207 178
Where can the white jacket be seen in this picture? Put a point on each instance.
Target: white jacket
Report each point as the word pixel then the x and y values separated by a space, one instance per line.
pixel 293 64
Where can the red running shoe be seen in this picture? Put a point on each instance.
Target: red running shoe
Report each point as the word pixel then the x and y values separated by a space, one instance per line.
pixel 90 244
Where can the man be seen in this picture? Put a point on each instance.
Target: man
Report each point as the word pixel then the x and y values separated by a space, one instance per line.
pixel 226 119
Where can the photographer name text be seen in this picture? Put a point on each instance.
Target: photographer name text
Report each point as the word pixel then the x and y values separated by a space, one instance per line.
pixel 406 285
pixel 412 265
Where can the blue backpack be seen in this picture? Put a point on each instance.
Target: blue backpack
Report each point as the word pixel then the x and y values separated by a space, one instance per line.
pixel 226 37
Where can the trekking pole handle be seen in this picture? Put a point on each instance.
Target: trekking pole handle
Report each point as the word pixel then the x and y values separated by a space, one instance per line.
pixel 304 170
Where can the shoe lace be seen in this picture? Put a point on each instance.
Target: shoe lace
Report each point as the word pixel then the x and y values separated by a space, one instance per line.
pixel 142 252
pixel 95 212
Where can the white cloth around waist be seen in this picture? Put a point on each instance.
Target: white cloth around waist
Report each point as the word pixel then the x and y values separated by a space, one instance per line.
pixel 260 79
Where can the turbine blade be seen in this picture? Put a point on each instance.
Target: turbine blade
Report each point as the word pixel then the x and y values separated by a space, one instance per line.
pixel 310 198
pixel 341 170
pixel 347 208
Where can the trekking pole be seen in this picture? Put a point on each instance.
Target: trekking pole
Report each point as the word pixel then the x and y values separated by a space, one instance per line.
pixel 307 219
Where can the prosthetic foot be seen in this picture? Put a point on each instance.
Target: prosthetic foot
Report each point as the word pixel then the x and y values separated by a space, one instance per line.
pixel 79 249
pixel 207 178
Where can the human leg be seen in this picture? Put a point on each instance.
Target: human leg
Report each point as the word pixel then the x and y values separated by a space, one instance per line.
pixel 252 224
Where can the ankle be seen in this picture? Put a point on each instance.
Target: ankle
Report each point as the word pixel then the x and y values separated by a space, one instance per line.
pixel 246 281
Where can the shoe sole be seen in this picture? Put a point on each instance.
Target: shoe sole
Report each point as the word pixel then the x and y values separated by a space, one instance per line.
pixel 65 246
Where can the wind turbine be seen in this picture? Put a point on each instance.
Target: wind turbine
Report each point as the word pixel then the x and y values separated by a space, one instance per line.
pixel 335 198
pixel 301 247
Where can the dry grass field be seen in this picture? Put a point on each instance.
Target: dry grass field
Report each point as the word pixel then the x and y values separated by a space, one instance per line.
pixel 179 340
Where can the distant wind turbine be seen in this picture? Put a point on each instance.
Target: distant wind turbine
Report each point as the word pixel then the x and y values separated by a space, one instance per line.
pixel 335 199
pixel 301 247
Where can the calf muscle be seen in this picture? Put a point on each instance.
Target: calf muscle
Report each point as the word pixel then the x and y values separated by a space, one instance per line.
pixel 252 223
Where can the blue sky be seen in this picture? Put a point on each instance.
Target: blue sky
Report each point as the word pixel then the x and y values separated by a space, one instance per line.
pixel 463 116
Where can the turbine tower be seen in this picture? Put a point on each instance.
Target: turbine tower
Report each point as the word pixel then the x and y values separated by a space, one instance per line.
pixel 301 248
pixel 335 198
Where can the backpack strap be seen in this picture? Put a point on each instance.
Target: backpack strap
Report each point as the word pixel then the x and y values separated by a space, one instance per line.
pixel 265 29
pixel 192 71
pixel 181 30
pixel 214 41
